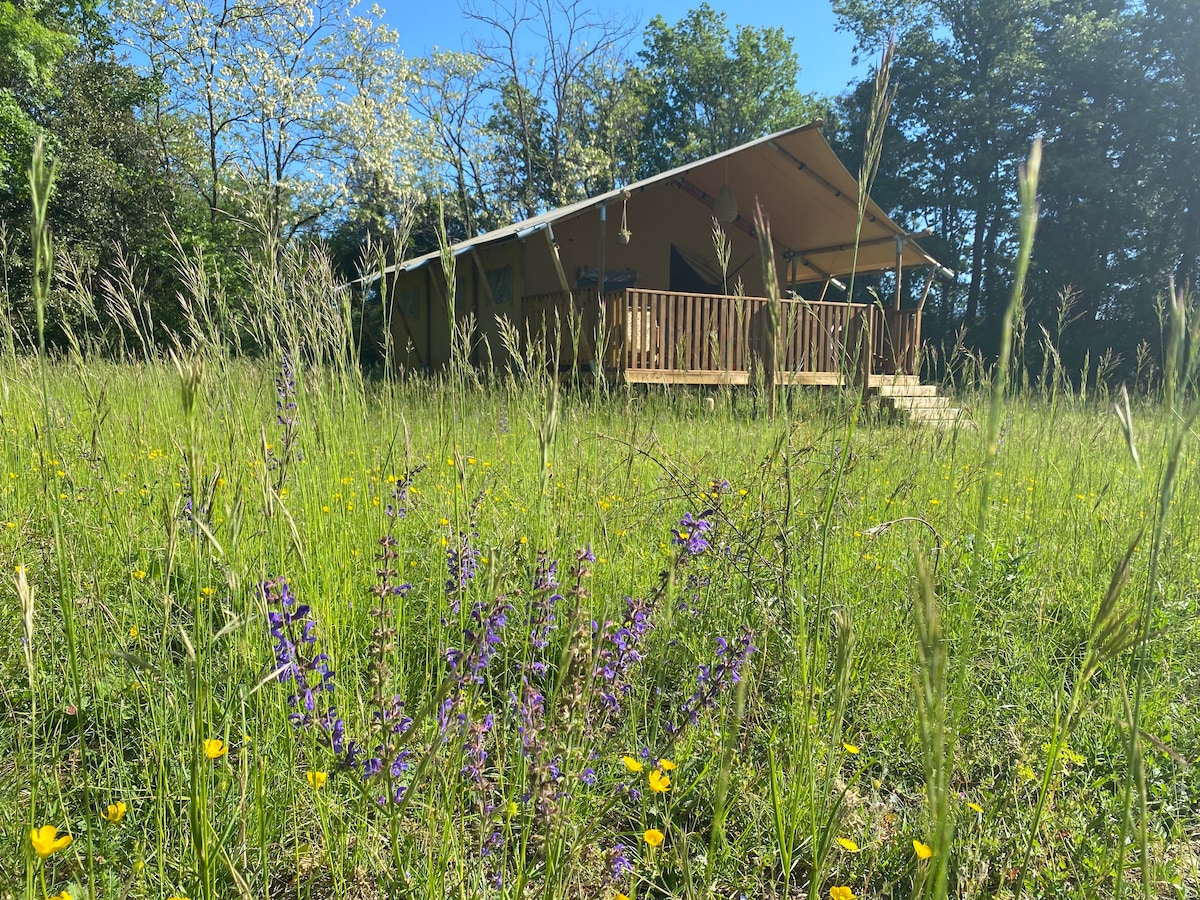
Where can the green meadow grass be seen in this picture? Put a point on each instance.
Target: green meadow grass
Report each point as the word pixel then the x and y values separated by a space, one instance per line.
pixel 915 677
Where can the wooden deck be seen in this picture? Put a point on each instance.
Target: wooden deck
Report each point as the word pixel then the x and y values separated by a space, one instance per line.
pixel 663 337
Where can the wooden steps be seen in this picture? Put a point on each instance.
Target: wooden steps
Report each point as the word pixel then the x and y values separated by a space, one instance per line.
pixel 904 397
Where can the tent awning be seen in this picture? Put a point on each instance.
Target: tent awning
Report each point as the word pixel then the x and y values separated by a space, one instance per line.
pixel 810 200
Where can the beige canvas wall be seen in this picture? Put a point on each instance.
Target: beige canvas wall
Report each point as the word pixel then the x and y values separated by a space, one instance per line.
pixel 420 323
pixel 658 217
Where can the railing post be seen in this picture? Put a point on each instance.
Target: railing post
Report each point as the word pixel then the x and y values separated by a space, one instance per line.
pixel 861 335
pixel 915 362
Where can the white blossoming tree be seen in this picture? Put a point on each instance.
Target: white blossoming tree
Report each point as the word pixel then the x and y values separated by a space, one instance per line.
pixel 301 105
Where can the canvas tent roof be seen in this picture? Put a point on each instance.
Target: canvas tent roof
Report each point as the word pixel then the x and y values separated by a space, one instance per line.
pixel 809 197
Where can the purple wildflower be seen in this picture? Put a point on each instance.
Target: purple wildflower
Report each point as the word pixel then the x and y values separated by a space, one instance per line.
pixel 620 651
pixel 712 680
pixel 390 759
pixel 298 664
pixel 285 394
pixel 384 766
pixel 462 562
pixel 474 754
pixel 690 533
pixel 443 714
pixel 545 578
pixel 530 708
pixel 285 417
pixel 481 641
pixel 397 508
pixel 541 618
pixel 618 863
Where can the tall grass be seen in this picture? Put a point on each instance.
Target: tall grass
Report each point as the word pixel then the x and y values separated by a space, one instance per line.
pixel 621 474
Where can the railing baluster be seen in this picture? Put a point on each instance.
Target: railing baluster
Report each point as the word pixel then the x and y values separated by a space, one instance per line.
pixel 663 341
pixel 636 330
pixel 666 325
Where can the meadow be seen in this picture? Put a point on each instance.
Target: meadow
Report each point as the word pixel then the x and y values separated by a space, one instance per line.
pixel 274 630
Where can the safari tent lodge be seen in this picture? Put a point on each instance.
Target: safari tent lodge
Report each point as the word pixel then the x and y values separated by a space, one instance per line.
pixel 637 271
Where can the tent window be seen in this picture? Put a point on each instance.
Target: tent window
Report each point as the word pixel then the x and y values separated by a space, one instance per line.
pixel 410 303
pixel 500 282
pixel 687 275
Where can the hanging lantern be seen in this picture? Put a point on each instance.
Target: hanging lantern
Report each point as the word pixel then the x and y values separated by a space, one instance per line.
pixel 624 234
pixel 725 206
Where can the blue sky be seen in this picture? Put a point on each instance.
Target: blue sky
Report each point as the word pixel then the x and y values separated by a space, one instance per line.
pixel 825 53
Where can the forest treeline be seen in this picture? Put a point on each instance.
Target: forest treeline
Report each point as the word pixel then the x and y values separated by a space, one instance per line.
pixel 212 135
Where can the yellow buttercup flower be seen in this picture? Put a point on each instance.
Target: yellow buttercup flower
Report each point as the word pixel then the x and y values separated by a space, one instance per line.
pixel 850 748
pixel 666 765
pixel 631 764
pixel 653 837
pixel 45 840
pixel 317 779
pixel 975 807
pixel 63 896
pixel 620 897
pixel 659 783
pixel 114 812
pixel 848 845
pixel 215 748
pixel 923 851
pixel 841 892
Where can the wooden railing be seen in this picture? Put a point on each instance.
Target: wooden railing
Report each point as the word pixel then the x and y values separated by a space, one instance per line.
pixel 703 338
pixel 665 336
pixel 901 344
pixel 659 331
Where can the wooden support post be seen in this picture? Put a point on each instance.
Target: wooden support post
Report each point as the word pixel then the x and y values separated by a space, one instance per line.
pixel 899 268
pixel 603 249
pixel 925 291
pixel 863 361
pixel 566 288
pixel 915 353
pixel 558 269
pixel 825 289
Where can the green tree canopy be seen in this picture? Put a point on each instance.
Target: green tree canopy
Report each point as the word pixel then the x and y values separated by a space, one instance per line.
pixel 1112 86
pixel 32 41
pixel 708 89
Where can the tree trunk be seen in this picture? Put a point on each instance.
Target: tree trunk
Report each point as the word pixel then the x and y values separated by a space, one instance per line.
pixel 976 286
